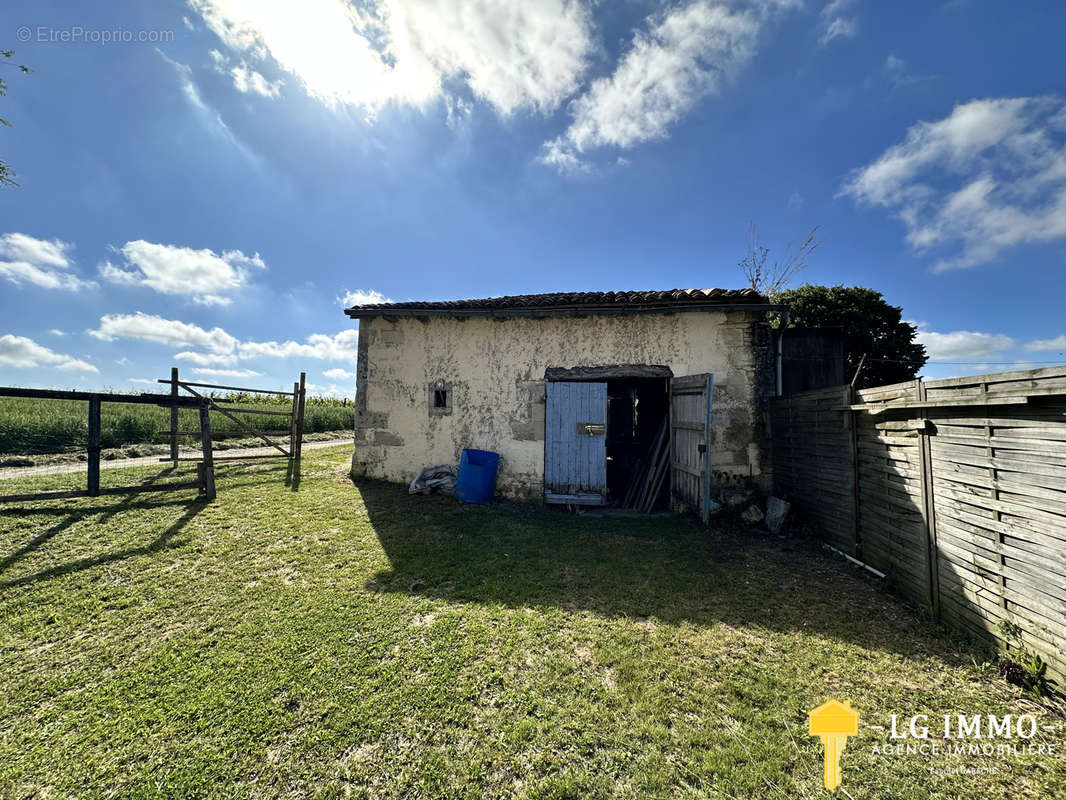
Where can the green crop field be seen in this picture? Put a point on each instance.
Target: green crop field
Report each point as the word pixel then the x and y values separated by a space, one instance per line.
pixel 31 426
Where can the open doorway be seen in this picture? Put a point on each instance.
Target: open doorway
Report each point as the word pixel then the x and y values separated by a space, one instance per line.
pixel 637 433
pixel 606 436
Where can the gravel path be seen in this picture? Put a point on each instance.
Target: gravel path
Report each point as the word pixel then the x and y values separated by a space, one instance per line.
pixel 79 466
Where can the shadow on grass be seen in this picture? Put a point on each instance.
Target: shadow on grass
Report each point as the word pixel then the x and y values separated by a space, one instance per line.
pixel 105 513
pixel 292 475
pixel 666 568
pixel 102 512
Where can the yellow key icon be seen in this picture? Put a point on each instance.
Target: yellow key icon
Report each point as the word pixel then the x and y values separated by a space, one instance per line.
pixel 833 722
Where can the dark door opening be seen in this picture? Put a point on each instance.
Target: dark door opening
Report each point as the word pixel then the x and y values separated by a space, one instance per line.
pixel 637 412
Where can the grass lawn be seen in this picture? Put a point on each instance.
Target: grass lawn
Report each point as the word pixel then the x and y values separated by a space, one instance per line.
pixel 343 640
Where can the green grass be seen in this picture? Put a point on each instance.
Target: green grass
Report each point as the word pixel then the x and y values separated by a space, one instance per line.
pixel 29 426
pixel 355 641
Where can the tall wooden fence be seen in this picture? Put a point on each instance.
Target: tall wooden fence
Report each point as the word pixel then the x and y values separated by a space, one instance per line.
pixel 955 488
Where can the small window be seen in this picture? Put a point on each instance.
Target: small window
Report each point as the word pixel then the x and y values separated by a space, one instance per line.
pixel 440 398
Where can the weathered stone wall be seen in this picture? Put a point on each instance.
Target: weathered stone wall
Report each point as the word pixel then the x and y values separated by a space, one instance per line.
pixel 495 371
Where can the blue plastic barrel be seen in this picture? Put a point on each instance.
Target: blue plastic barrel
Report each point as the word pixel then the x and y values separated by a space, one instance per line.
pixel 477 476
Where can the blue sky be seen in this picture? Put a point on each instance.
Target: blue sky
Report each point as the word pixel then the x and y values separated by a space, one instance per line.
pixel 203 183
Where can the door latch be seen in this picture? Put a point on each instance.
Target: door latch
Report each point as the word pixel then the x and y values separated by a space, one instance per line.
pixel 591 429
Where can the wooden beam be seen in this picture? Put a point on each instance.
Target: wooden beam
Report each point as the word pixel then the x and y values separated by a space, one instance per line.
pixel 292 421
pixel 200 459
pixel 300 417
pixel 94 447
pixel 990 400
pixel 145 398
pixel 174 416
pixel 705 511
pixel 208 403
pixel 218 386
pixel 257 411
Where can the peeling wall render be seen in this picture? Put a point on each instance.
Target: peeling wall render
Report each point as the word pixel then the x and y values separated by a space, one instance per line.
pixel 494 369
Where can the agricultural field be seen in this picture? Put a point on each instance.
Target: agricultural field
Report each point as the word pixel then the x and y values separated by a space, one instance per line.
pixel 31 426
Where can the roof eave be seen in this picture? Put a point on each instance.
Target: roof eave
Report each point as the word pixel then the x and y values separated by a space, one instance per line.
pixel 358 312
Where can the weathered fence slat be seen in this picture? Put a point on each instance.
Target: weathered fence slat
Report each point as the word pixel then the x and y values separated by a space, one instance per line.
pixel 964 508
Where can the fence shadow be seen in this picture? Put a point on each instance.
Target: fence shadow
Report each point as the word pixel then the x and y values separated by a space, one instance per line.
pixel 666 568
pixel 100 514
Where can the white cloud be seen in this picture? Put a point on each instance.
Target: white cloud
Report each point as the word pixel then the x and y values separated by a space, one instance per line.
pixel 835 24
pixel 218 348
pixel 362 297
pixel 989 176
pixel 338 374
pixel 152 328
pixel 206 359
pixel 19 351
pixel 207 277
pixel 41 262
pixel 333 390
pixel 246 79
pixel 963 344
pixel 841 28
pixel 684 55
pixel 228 373
pixel 517 55
pixel 56 332
pixel 559 153
pixel 338 347
pixel 1058 343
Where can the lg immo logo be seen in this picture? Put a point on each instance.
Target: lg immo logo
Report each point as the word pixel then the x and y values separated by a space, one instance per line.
pixel 833 722
pixel 965 735
pixel 944 736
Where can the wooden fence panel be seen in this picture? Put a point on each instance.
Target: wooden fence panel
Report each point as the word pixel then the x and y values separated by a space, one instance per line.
pixel 814 464
pixel 892 524
pixel 999 480
pixel 955 488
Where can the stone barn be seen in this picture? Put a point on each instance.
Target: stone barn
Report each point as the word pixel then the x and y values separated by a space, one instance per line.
pixel 575 391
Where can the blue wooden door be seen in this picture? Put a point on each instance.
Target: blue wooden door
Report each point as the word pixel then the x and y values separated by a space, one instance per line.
pixel 575 443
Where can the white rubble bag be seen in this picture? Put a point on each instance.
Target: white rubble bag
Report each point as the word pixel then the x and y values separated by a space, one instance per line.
pixel 440 478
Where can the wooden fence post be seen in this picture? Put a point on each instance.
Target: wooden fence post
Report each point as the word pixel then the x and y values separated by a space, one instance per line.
pixel 928 511
pixel 174 416
pixel 94 446
pixel 292 420
pixel 209 464
pixel 851 422
pixel 300 417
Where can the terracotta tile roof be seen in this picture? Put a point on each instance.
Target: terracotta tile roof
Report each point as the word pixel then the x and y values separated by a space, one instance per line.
pixel 591 301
